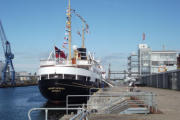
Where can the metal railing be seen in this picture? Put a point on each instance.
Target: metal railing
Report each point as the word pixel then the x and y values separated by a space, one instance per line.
pixel 166 80
pixel 124 89
pixel 90 90
pixel 126 104
pixel 82 112
pixel 145 99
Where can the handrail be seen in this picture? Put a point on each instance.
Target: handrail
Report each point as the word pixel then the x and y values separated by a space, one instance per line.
pixel 46 111
pixel 127 103
pixel 82 115
pixel 90 90
pixel 124 103
pixel 107 83
pixel 140 98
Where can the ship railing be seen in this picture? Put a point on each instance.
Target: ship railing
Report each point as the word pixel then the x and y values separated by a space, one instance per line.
pixel 101 102
pixel 47 62
pixel 95 90
pixel 101 90
pixel 81 112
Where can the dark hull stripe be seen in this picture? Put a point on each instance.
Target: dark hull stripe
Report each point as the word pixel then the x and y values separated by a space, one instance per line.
pixel 58 89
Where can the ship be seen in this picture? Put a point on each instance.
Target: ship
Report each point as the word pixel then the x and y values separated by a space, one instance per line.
pixel 60 75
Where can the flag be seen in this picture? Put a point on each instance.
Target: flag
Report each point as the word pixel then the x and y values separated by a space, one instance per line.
pixel 62 54
pixel 65 43
pixel 143 36
pixel 67 22
pixel 67 10
pixel 66 33
pixel 57 52
pixel 68 26
pixel 67 18
pixel 79 33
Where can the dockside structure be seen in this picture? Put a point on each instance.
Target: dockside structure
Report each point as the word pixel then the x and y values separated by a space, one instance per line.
pixel 150 62
pixel 166 80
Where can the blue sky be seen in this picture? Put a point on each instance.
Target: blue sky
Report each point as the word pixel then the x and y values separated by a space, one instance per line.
pixel 34 26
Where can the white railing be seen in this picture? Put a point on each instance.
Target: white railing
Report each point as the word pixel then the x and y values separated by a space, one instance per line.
pixel 82 112
pixel 47 62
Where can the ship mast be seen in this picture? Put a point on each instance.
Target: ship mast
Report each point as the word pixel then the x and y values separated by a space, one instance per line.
pixel 69 30
pixel 83 46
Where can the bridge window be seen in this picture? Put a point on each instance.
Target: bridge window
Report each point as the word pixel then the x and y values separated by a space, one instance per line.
pixel 70 77
pixel 55 76
pixel 43 77
pixel 82 78
pixel 88 78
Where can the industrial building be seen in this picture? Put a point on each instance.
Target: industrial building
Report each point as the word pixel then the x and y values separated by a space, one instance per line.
pixel 148 61
pixel 23 76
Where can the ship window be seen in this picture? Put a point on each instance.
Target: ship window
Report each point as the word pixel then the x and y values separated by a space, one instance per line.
pixel 88 79
pixel 80 77
pixel 71 77
pixel 44 77
pixel 55 76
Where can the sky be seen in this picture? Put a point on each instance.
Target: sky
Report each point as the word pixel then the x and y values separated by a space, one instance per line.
pixel 33 27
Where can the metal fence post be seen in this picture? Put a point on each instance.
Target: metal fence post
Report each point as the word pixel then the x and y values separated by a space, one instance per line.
pixel 46 114
pixel 67 105
pixel 163 80
pixel 156 80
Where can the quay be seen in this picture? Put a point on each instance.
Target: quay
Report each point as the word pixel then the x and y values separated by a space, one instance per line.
pixel 18 85
pixel 20 81
pixel 167 104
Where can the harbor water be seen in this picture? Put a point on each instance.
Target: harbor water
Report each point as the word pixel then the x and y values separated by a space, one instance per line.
pixel 16 102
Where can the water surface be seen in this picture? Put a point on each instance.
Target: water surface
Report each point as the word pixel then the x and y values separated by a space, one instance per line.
pixel 16 102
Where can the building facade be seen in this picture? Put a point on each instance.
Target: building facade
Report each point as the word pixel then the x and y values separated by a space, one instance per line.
pixel 155 61
pixel 133 65
pixel 23 76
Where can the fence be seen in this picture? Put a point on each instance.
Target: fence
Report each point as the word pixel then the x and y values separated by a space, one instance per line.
pixel 166 80
pixel 80 115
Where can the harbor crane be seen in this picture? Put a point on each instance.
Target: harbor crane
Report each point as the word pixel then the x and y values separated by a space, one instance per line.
pixel 8 67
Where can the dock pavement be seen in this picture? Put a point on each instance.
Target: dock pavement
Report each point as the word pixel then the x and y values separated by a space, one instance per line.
pixel 168 102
